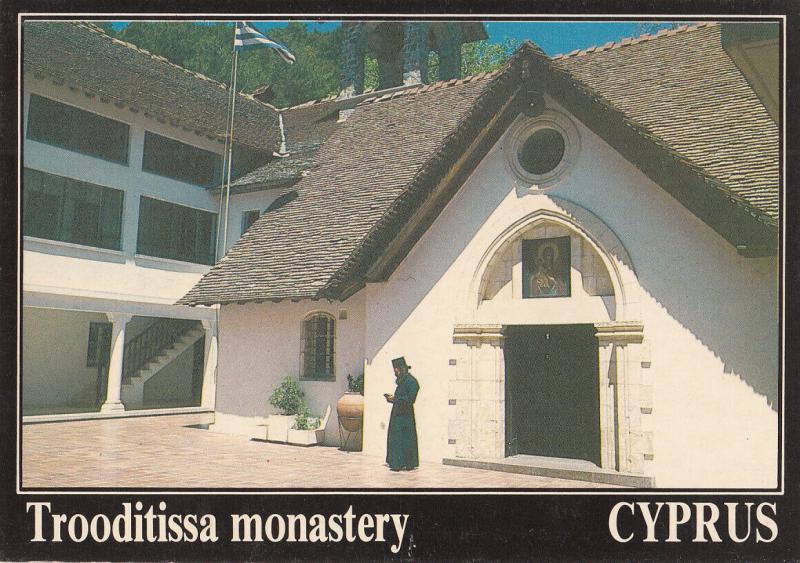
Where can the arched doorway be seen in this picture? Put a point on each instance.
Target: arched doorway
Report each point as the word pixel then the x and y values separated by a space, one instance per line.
pixel 555 374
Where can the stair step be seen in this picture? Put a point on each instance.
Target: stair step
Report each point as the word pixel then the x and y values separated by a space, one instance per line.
pixel 191 333
pixel 167 355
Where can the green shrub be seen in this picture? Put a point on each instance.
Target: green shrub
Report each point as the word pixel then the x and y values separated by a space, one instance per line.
pixel 305 420
pixel 288 397
pixel 355 384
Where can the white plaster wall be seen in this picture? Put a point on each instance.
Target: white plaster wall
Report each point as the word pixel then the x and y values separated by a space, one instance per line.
pixel 710 318
pixel 56 267
pixel 100 279
pixel 48 334
pixel 259 345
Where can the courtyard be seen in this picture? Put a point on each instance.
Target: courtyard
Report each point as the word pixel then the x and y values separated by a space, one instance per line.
pixel 175 452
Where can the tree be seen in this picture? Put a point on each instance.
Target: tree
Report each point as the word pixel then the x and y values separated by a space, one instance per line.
pixel 483 56
pixel 314 75
pixel 206 48
pixel 476 57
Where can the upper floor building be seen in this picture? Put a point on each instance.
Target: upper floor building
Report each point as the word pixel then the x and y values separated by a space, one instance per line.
pixel 122 152
pixel 118 195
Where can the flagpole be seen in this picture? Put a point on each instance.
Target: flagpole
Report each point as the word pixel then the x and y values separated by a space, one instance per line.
pixel 226 157
pixel 225 149
pixel 249 37
pixel 229 149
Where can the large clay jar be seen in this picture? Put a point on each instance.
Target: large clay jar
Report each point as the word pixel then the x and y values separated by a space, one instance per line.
pixel 350 409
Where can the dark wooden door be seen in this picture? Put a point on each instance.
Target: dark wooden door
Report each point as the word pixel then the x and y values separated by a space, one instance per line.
pixel 552 395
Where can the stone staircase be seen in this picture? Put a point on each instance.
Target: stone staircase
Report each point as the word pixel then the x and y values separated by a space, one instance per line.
pixel 134 381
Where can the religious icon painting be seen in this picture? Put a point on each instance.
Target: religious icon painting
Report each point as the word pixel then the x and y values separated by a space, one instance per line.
pixel 545 268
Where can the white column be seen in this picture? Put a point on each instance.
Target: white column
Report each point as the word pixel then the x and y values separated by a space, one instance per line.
pixel 114 386
pixel 620 427
pixel 210 366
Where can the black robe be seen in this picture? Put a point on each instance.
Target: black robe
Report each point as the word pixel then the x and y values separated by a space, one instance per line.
pixel 401 449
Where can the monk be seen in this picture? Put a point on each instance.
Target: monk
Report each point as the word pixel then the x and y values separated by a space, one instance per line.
pixel 401 447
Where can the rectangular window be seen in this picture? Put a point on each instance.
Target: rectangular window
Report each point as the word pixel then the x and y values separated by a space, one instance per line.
pixel 248 218
pixel 77 130
pixel 63 209
pixel 177 232
pixel 99 345
pixel 546 268
pixel 173 159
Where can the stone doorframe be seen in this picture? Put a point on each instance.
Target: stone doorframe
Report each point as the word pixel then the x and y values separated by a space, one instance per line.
pixel 477 385
pixel 477 395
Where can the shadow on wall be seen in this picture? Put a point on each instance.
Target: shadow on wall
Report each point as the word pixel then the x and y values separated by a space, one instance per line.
pixel 690 272
pixel 440 254
pixel 726 313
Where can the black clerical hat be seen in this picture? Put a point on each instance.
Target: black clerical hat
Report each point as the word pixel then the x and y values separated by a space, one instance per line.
pixel 400 363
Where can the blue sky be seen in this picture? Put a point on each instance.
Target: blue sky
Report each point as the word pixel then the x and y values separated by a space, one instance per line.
pixel 552 36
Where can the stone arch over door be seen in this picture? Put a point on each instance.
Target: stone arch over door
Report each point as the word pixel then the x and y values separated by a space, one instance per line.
pixel 597 235
pixel 477 392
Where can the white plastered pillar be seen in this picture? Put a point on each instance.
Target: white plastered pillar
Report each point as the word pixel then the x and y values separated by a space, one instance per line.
pixel 621 437
pixel 210 365
pixel 113 401
pixel 476 401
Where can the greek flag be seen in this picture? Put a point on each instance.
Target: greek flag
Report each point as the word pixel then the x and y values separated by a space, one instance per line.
pixel 248 37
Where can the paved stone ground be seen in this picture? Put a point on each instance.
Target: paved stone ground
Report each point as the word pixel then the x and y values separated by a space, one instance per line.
pixel 166 452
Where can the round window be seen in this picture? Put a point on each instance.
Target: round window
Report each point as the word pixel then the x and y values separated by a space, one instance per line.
pixel 542 151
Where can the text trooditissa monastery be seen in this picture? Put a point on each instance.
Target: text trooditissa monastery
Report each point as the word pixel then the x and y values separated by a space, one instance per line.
pixel 578 255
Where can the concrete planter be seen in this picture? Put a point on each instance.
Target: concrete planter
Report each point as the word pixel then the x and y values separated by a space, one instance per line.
pixel 278 426
pixel 306 437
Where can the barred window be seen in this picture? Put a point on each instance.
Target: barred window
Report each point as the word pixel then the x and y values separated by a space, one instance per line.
pixel 319 338
pixel 99 343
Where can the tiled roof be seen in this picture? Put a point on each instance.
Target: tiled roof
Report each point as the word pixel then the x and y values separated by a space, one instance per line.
pixel 676 102
pixel 308 126
pixel 293 251
pixel 682 87
pixel 281 170
pixel 68 52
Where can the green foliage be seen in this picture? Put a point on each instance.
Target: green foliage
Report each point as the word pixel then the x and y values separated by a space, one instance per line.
pixel 207 48
pixel 476 57
pixel 305 420
pixel 483 56
pixel 355 384
pixel 370 72
pixel 314 75
pixel 288 397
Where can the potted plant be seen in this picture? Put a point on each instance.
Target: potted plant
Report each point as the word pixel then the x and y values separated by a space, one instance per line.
pixel 288 399
pixel 350 406
pixel 308 430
